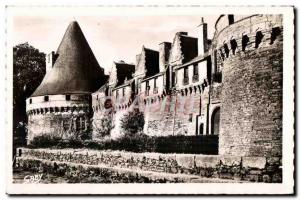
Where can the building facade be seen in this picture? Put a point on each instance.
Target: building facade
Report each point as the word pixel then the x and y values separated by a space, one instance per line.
pixel 229 85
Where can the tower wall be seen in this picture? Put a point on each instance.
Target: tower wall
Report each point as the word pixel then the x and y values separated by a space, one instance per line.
pixel 251 96
pixel 58 116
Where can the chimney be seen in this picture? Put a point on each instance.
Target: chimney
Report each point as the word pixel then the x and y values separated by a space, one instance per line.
pixel 182 33
pixel 50 60
pixel 202 38
pixel 164 50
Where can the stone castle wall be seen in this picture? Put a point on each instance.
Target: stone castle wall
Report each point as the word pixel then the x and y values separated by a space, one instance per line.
pixel 251 96
pixel 249 56
pixel 58 117
pixel 164 115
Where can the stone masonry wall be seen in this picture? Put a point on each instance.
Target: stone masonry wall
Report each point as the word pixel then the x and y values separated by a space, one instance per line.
pixel 254 169
pixel 58 117
pixel 251 98
pixel 175 114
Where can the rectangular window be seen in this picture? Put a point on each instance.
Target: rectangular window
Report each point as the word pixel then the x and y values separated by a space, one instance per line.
pixel 147 88
pixel 123 91
pixel 155 82
pixel 174 78
pixel 68 97
pixel 117 94
pixel 196 70
pixel 82 123
pixel 185 72
pixel 46 98
pixel 190 117
pixel 30 101
pixel 231 19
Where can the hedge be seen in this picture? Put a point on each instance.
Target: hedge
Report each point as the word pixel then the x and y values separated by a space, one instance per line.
pixel 204 144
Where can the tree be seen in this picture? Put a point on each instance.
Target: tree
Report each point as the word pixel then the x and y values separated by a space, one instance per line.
pixel 102 127
pixel 28 71
pixel 133 122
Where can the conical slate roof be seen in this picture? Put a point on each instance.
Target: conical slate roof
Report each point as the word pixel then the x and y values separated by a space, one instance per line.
pixel 76 69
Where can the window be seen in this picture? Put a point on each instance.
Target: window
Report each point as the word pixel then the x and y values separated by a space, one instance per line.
pixel 230 19
pixel 185 72
pixel 245 40
pixel 68 97
pixel 226 49
pixel 196 70
pixel 215 122
pixel 201 129
pixel 155 82
pixel 117 94
pixel 147 85
pixel 46 98
pixel 30 101
pixel 190 117
pixel 275 33
pixel 82 123
pixel 147 88
pixel 258 38
pixel 123 92
pixel 185 76
pixel 174 78
pixel 234 45
pixel 77 124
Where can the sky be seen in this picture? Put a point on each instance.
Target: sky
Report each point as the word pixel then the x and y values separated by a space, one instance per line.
pixel 112 38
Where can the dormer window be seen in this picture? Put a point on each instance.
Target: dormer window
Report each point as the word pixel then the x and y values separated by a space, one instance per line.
pixel 46 98
pixel 68 97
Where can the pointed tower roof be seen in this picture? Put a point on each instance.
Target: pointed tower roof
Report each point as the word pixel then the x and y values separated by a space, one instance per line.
pixel 75 70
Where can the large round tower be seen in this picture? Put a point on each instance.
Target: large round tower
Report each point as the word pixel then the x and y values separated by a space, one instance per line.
pixel 61 105
pixel 249 51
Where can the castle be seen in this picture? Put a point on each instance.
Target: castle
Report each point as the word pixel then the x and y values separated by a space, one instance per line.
pixel 230 86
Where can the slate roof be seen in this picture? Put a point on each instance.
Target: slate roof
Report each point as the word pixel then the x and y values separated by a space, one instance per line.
pixel 124 71
pixel 151 62
pixel 189 47
pixel 76 69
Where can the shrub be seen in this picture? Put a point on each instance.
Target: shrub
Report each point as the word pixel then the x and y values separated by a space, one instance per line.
pixel 138 142
pixel 133 122
pixel 103 127
pixel 44 141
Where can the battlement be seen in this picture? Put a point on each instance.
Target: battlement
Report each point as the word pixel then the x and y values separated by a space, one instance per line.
pixel 249 42
pixel 57 104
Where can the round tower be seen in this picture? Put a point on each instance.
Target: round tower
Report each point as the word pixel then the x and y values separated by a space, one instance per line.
pixel 249 51
pixel 61 105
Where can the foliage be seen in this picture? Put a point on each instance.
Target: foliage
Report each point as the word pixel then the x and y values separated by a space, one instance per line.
pixel 133 122
pixel 140 142
pixel 28 71
pixel 44 141
pixel 103 127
